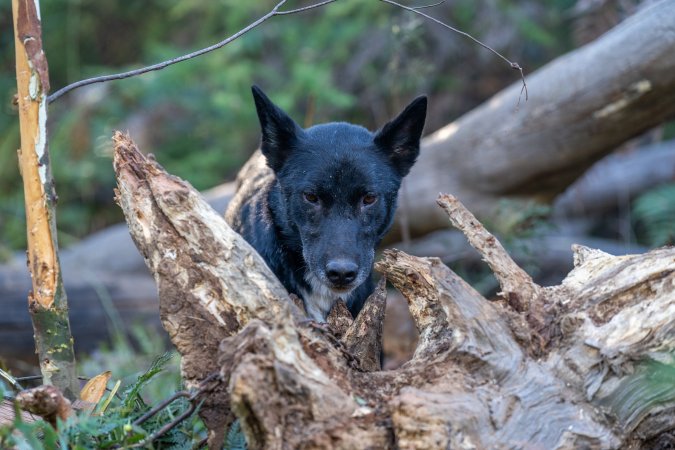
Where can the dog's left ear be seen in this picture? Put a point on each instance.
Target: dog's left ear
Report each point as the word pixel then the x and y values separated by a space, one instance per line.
pixel 400 138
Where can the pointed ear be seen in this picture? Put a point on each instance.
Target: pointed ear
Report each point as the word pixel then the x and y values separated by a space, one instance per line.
pixel 279 131
pixel 400 138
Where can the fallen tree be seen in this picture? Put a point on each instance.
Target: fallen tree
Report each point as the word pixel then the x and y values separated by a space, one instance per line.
pixel 559 367
pixel 581 107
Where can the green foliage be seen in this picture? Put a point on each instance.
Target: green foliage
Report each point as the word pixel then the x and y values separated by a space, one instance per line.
pixel 132 393
pixel 235 437
pixel 114 428
pixel 654 212
pixel 350 60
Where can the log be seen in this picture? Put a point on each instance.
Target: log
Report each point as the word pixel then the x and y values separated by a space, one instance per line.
pixel 617 178
pixel 581 107
pixel 540 368
pixel 549 256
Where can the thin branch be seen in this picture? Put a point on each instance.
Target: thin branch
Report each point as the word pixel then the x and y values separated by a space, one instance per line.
pixel 14 382
pixel 205 386
pixel 428 6
pixel 159 66
pixel 275 12
pixel 305 8
pixel 416 10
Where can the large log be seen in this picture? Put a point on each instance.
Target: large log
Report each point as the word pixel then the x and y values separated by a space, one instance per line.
pixel 581 107
pixel 541 368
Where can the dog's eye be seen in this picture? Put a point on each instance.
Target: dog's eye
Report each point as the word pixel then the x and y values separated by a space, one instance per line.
pixel 310 197
pixel 369 199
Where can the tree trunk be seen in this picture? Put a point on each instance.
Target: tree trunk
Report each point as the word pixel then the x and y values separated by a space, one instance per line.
pixel 561 367
pixel 47 301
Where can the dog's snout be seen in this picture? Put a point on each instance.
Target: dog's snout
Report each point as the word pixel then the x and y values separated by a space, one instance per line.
pixel 341 271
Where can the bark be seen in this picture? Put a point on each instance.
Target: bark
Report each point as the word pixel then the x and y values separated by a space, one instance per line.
pixel 205 274
pixel 47 301
pixel 581 107
pixel 555 368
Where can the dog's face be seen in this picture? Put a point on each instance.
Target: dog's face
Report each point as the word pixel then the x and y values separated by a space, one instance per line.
pixel 339 183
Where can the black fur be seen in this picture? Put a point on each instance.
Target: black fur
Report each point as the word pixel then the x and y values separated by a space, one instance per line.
pixel 325 200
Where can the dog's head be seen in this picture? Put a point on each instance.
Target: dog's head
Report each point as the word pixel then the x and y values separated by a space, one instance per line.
pixel 338 188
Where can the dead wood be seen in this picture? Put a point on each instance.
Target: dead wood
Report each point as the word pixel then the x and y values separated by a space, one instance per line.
pixel 45 401
pixel 211 282
pixel 551 371
pixel 616 180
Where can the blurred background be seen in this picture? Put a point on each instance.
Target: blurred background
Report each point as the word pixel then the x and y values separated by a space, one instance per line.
pixel 351 61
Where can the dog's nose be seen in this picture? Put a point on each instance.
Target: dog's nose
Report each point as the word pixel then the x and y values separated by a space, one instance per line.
pixel 341 271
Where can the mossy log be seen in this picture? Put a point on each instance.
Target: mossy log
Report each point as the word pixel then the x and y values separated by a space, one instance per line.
pixel 564 367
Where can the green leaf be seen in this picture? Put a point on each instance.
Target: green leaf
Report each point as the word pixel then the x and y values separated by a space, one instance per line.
pixel 132 393
pixel 235 438
pixel 654 212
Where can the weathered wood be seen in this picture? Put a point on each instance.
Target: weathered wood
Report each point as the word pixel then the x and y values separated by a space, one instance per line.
pixel 473 381
pixel 109 290
pixel 517 286
pixel 8 413
pixel 47 301
pixel 205 272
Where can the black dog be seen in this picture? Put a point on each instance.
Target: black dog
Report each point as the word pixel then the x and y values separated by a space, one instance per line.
pixel 329 198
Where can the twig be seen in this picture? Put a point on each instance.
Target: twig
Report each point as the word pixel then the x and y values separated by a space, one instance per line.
pixel 159 66
pixel 416 10
pixel 205 386
pixel 14 382
pixel 428 6
pixel 304 8
pixel 275 12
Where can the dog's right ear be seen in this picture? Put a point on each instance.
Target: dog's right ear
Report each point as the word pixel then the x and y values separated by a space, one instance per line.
pixel 279 131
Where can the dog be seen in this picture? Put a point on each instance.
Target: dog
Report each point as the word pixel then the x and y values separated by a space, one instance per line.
pixel 316 202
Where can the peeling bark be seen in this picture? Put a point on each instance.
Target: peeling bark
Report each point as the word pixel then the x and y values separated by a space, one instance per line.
pixel 47 301
pixel 484 374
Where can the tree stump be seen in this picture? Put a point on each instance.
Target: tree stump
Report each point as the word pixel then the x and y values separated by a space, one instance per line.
pixel 563 367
